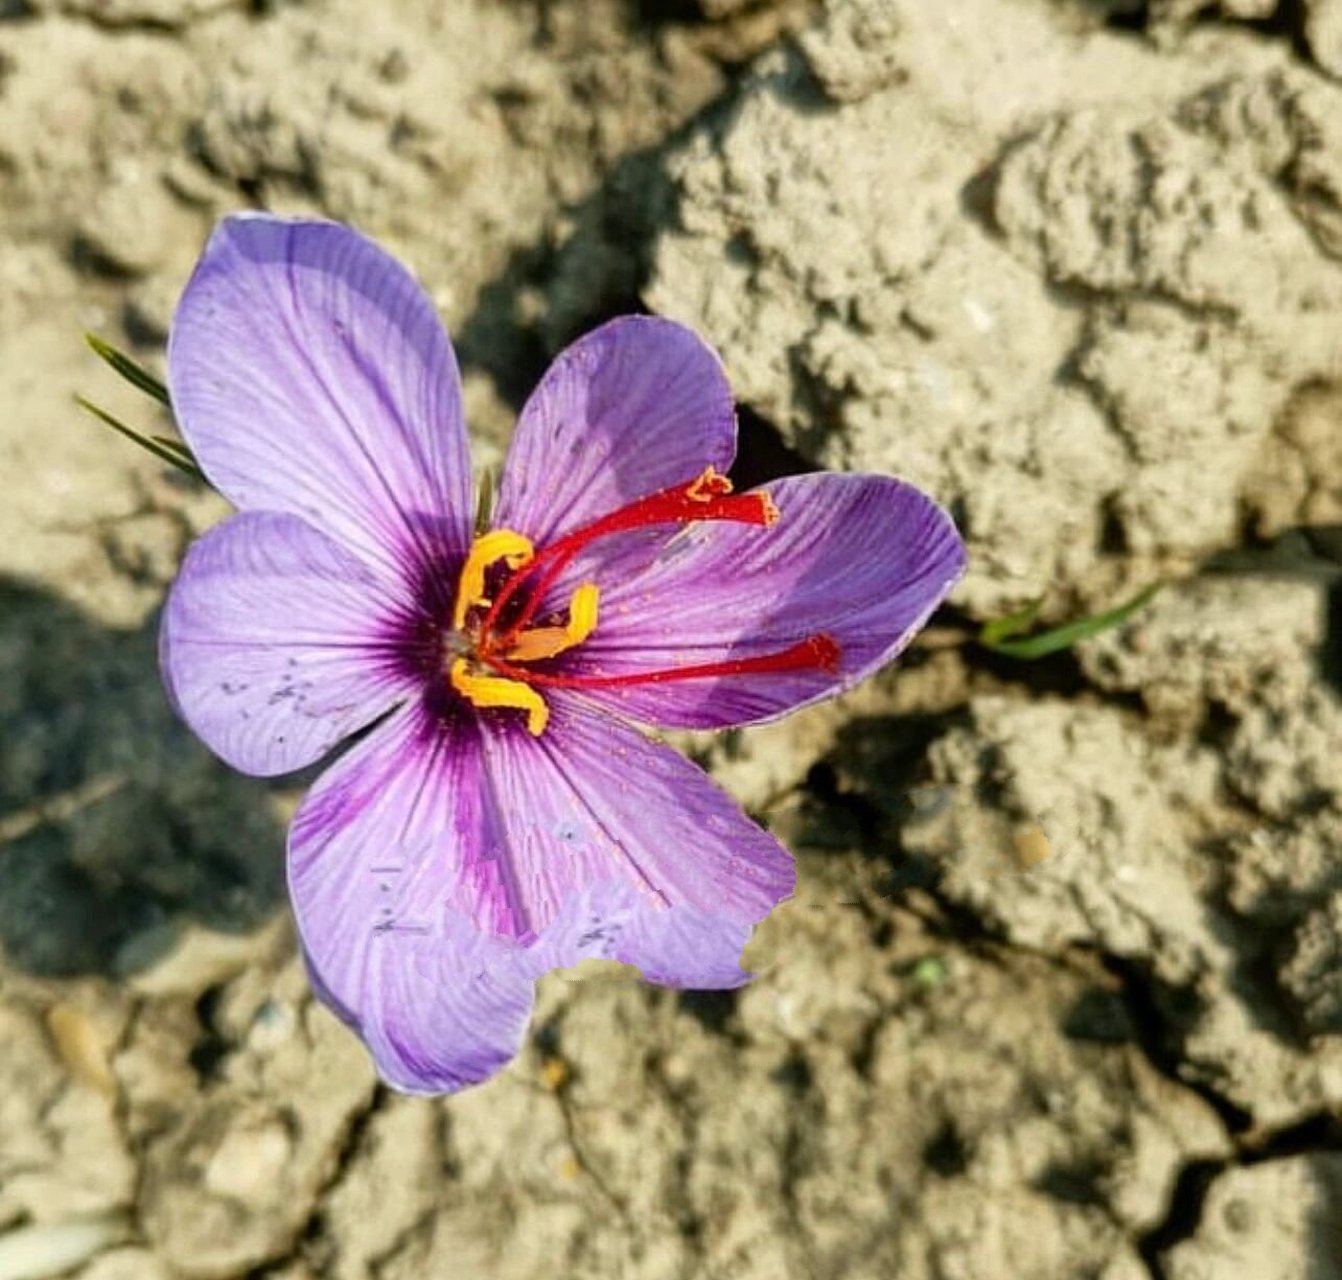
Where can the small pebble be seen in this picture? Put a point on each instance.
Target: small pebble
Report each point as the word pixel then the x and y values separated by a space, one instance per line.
pixel 53 1248
pixel 554 1074
pixel 1031 847
pixel 81 1047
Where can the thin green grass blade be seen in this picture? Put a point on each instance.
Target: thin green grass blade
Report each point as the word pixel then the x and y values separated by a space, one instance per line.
pixel 1063 637
pixel 171 442
pixel 1012 624
pixel 134 373
pixel 177 457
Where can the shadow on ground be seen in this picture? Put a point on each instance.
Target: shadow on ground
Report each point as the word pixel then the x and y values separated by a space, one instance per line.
pixel 116 826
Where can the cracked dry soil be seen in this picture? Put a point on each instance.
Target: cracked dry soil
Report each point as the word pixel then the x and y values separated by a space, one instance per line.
pixel 1060 994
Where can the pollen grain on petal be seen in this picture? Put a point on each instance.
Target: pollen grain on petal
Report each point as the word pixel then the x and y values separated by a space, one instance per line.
pixel 498 691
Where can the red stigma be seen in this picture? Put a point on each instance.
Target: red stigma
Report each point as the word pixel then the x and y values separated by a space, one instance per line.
pixel 707 497
pixel 819 652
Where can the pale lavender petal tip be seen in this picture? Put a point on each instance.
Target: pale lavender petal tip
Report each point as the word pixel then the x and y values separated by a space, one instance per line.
pixel 311 375
pixel 635 406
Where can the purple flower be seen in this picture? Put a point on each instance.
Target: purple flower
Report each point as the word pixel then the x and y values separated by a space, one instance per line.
pixel 500 816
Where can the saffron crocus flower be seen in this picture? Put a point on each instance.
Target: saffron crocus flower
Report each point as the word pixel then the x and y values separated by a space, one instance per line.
pixel 500 815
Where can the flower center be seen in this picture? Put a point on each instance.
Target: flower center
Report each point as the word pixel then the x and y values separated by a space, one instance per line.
pixel 495 610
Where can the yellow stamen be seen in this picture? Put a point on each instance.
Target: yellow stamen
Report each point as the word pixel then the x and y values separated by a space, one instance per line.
pixel 498 544
pixel 496 691
pixel 582 612
pixel 545 642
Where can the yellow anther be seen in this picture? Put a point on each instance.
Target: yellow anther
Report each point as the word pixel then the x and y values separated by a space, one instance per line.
pixel 489 548
pixel 545 642
pixel 497 691
pixel 582 612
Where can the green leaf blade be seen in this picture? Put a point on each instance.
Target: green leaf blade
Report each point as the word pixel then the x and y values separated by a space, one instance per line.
pixel 178 447
pixel 133 372
pixel 166 451
pixel 1011 624
pixel 1031 648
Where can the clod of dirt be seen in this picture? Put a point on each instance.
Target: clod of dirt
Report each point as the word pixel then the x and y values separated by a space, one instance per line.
pixel 126 1264
pixel 1231 643
pixel 1312 974
pixel 910 1128
pixel 400 1147
pixel 165 15
pixel 1298 479
pixel 231 1181
pixel 1149 865
pixel 132 227
pixel 1286 765
pixel 38 1251
pixel 62 1157
pixel 1323 33
pixel 853 50
pixel 1182 11
pixel 1121 877
pixel 1274 1221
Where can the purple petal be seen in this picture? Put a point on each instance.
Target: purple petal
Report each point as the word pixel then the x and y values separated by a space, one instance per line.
pixel 446 1012
pixel 633 407
pixel 692 874
pixel 310 374
pixel 443 864
pixel 682 947
pixel 861 559
pixel 377 857
pixel 273 643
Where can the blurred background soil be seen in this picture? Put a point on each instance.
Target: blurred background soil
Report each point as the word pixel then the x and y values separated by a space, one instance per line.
pixel 1060 993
